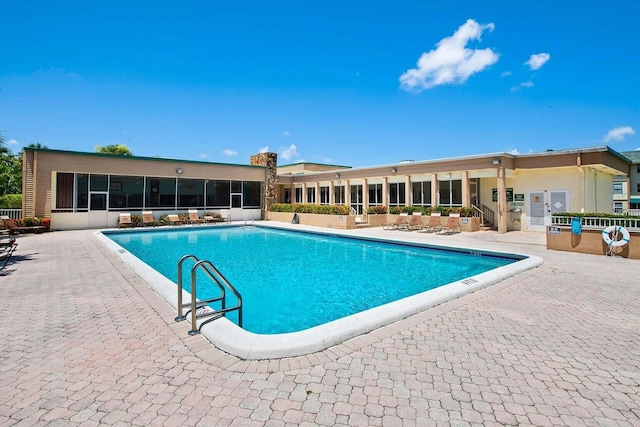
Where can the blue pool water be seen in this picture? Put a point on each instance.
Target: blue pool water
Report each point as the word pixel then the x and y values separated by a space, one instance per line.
pixel 291 281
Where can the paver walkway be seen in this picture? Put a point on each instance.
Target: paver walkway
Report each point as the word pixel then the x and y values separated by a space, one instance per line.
pixel 84 342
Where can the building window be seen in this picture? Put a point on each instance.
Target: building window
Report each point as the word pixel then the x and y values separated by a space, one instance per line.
pixel 617 188
pixel 638 187
pixel 397 195
pixel 160 193
pixel 324 195
pixel 356 198
pixel 311 194
pixel 299 195
pixel 617 207
pixel 638 168
pixel 126 192
pixel 338 195
pixel 421 192
pixel 251 194
pixel 450 193
pixel 375 195
pixel 190 193
pixel 218 194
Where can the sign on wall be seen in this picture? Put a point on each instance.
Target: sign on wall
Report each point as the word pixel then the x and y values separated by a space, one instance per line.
pixel 494 194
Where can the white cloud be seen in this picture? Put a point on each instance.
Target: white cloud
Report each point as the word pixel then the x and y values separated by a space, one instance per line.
pixel 514 151
pixel 286 133
pixel 287 153
pixel 12 142
pixel 203 155
pixel 451 62
pixel 521 85
pixel 619 133
pixel 537 60
pixel 327 160
pixel 264 149
pixel 229 153
pixel 506 73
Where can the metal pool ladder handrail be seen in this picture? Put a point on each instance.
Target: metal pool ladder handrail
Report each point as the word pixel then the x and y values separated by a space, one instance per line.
pixel 210 270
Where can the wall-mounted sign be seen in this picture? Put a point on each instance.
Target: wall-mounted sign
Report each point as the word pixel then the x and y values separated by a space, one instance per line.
pixel 494 194
pixel 554 230
pixel 518 197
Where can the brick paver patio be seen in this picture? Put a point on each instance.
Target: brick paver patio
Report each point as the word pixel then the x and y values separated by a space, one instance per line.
pixel 85 342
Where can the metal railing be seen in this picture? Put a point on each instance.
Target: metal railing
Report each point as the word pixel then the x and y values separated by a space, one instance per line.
pixel 477 212
pixel 598 223
pixel 198 308
pixel 489 215
pixel 11 213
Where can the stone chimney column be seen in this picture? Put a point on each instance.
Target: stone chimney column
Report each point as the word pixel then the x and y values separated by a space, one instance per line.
pixel 270 163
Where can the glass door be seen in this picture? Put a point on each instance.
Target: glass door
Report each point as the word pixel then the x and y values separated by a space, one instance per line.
pixel 98 201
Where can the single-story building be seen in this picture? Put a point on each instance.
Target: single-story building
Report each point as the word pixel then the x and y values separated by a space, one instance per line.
pixel 513 191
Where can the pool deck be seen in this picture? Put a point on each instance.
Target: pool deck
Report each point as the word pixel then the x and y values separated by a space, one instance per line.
pixel 86 342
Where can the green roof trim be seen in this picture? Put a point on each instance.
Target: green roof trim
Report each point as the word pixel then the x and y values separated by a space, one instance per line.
pixel 118 156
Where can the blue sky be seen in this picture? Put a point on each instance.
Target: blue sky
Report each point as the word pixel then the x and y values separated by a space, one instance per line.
pixel 343 82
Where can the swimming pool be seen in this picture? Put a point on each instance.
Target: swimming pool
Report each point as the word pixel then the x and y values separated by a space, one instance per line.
pixel 291 281
pixel 390 280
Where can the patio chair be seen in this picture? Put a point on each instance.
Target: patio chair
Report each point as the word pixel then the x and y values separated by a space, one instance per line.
pixel 125 220
pixel 7 247
pixel 194 218
pixel 452 225
pixel 174 219
pixel 415 223
pixel 147 218
pixel 402 219
pixel 432 223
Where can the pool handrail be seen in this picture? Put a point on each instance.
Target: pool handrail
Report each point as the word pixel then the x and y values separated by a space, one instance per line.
pixel 220 281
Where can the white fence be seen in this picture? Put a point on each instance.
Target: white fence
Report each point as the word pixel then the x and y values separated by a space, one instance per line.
pixel 11 213
pixel 599 223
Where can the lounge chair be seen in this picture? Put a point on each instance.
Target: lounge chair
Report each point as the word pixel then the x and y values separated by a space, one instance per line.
pixel 147 218
pixel 432 224
pixel 15 229
pixel 452 225
pixel 402 219
pixel 7 247
pixel 174 219
pixel 415 223
pixel 125 220
pixel 194 218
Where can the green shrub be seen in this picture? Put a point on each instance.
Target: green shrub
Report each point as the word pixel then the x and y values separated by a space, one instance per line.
pixel 377 210
pixel 309 208
pixel 11 201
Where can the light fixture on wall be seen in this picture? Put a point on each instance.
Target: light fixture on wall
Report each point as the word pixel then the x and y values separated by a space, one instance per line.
pixel 179 171
pixel 394 170
pixel 337 175
pixel 495 162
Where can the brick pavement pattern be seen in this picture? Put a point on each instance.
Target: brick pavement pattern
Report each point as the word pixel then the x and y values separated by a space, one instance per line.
pixel 85 342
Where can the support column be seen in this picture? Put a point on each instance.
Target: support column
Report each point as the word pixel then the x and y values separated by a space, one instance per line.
pixel 365 196
pixel 332 190
pixel 347 193
pixel 304 193
pixel 408 191
pixel 435 195
pixel 317 190
pixel 502 200
pixel 385 192
pixel 466 190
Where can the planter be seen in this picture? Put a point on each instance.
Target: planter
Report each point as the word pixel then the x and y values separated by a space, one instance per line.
pixel 561 238
pixel 343 222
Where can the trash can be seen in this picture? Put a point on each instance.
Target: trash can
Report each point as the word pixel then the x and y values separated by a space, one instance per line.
pixel 515 218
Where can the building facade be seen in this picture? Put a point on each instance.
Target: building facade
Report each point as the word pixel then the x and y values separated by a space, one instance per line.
pixel 89 190
pixel 513 192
